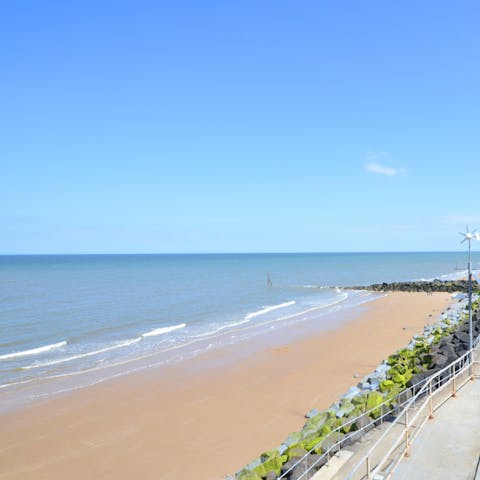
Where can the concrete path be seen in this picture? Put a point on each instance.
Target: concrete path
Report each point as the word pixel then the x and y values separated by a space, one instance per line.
pixel 448 447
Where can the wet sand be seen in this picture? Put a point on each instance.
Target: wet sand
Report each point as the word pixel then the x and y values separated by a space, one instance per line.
pixel 205 418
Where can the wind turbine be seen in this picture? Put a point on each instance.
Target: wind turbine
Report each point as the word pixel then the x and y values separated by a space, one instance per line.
pixel 468 237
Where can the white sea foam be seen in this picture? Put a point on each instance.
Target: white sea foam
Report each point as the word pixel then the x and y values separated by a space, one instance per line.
pixel 163 330
pixel 223 327
pixel 316 287
pixel 33 351
pixel 457 275
pixel 268 309
pixel 16 383
pixel 83 355
pixel 339 299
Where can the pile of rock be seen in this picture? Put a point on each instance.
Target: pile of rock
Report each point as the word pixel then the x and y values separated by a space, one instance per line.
pixel 428 287
pixel 449 348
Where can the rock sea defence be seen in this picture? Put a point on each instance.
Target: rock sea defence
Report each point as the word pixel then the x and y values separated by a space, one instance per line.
pixel 377 397
pixel 423 286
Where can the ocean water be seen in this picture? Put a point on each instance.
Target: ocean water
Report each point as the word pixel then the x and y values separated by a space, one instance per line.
pixel 64 316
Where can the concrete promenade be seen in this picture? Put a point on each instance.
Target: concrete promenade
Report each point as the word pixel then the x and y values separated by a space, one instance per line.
pixel 448 447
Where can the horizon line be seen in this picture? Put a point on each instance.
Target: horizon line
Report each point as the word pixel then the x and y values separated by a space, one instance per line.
pixel 230 253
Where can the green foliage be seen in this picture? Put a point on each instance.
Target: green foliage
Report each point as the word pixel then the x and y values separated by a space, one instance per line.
pixel 386 385
pixel 248 475
pixel 400 375
pixel 295 451
pixel 374 399
pixel 270 461
pixel 360 401
pixel 345 408
pixel 333 438
pixel 313 439
pixel 273 462
pixel 316 422
pixel 392 359
pixel 392 395
pixel 348 423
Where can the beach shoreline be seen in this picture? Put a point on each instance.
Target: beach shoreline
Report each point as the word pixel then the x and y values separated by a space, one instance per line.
pixel 207 417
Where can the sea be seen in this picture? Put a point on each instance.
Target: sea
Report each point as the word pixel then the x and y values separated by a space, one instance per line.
pixel 68 321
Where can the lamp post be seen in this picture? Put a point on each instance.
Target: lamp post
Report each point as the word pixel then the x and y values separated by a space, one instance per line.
pixel 468 237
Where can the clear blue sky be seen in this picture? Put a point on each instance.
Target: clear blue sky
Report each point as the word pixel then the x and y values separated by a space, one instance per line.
pixel 218 126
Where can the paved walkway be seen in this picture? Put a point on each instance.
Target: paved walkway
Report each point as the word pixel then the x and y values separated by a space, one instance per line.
pixel 448 447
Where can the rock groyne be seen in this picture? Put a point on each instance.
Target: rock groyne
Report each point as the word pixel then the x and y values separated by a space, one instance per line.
pixel 420 286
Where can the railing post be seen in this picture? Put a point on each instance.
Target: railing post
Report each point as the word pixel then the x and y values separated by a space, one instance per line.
pixel 430 400
pixel 470 368
pixel 473 362
pixel 454 387
pixel 369 475
pixel 407 445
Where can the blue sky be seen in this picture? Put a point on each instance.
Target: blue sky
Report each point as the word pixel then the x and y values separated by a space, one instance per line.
pixel 213 126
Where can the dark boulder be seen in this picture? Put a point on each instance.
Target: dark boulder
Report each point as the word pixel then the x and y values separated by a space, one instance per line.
pixel 364 422
pixel 462 351
pixel 439 361
pixel 352 438
pixel 332 443
pixel 289 465
pixel 403 397
pixel 315 461
pixel 464 337
pixel 419 379
pixel 444 341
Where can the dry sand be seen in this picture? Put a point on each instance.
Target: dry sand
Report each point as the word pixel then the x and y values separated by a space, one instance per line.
pixel 185 422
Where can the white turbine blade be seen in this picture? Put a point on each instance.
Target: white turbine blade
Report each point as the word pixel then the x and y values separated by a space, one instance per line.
pixel 466 226
pixel 473 231
pixel 461 233
pixel 463 241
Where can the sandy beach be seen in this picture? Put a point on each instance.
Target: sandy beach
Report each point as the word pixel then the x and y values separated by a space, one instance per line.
pixel 206 418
